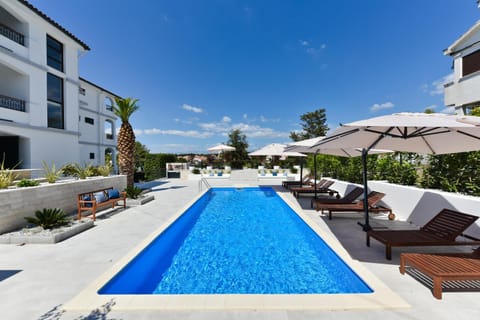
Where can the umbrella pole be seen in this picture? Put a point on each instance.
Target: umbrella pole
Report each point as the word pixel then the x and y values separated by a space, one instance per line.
pixel 315 172
pixel 301 172
pixel 366 226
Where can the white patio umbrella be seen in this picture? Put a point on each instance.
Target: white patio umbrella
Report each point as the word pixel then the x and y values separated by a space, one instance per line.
pixel 408 132
pixel 275 149
pixel 221 148
pixel 307 146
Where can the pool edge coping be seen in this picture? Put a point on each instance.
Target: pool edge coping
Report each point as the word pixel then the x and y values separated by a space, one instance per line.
pixel 382 297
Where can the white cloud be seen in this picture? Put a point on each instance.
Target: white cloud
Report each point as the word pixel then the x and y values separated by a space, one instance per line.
pixel 245 116
pixel 226 119
pixel 182 133
pixel 436 88
pixel 254 131
pixel 192 108
pixel 381 106
pixel 304 43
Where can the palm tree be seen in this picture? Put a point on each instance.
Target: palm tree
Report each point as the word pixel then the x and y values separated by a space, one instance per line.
pixel 126 137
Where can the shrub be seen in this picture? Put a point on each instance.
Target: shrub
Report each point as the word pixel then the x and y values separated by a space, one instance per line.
pixel 293 170
pixel 27 183
pixel 76 170
pixel 196 171
pixel 7 176
pixel 103 170
pixel 49 218
pixel 155 165
pixel 51 173
pixel 133 192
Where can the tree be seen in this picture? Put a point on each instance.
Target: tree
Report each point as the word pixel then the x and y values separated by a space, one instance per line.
pixel 123 109
pixel 140 154
pixel 313 125
pixel 239 141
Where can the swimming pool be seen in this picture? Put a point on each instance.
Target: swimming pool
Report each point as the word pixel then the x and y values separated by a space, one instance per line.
pixel 237 241
pixel 89 298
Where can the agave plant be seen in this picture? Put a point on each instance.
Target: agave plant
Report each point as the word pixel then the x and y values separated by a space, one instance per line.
pixel 49 218
pixel 133 192
pixel 77 170
pixel 51 173
pixel 7 176
pixel 104 170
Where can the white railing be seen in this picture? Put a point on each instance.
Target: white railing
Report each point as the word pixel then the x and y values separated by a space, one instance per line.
pixel 203 182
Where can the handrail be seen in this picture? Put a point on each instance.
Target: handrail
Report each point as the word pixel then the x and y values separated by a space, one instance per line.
pixel 202 182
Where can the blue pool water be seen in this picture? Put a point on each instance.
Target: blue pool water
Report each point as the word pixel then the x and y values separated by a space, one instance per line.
pixel 237 241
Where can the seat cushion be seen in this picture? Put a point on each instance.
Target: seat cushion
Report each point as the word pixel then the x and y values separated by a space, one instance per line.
pixel 113 194
pixel 87 198
pixel 100 197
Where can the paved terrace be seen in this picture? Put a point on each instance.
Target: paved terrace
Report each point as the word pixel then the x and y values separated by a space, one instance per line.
pixel 36 280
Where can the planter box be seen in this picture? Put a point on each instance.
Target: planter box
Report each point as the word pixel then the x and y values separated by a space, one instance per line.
pixel 18 203
pixel 140 201
pixel 40 236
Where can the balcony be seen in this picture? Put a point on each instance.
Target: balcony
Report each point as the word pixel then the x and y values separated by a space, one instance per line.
pixel 12 34
pixel 12 103
pixel 464 91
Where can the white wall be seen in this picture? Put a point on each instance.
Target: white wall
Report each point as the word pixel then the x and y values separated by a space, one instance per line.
pixel 418 205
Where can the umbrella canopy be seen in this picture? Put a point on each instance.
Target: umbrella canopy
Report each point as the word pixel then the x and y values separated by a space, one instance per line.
pixel 408 132
pixel 307 146
pixel 221 148
pixel 275 149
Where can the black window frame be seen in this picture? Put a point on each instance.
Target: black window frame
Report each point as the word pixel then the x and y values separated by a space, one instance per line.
pixel 54 102
pixel 92 155
pixel 53 60
pixel 89 120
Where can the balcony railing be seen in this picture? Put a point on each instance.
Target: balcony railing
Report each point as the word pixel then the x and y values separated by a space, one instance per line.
pixel 12 34
pixel 12 103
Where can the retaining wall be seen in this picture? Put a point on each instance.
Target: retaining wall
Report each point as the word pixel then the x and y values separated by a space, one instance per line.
pixel 15 204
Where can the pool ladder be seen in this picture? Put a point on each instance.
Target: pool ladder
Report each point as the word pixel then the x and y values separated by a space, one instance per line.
pixel 203 183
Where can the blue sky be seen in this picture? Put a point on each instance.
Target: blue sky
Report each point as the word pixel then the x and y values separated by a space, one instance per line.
pixel 203 68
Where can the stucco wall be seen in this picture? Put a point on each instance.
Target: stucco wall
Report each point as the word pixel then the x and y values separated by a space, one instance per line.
pixel 417 205
pixel 21 202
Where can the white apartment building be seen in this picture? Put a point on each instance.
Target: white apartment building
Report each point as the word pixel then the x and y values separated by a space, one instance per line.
pixel 47 111
pixel 463 92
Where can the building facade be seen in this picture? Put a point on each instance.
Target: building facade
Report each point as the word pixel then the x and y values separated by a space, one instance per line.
pixel 47 111
pixel 463 92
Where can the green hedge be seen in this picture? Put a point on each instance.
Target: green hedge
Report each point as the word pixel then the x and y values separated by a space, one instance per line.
pixel 155 165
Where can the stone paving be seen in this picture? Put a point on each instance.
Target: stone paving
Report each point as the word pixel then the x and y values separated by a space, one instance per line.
pixel 37 279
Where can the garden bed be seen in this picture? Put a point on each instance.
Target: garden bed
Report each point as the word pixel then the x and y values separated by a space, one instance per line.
pixel 43 236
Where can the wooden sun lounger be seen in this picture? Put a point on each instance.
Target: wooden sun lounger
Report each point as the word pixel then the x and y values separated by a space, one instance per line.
pixel 350 197
pixel 373 198
pixel 441 230
pixel 321 188
pixel 443 267
pixel 305 181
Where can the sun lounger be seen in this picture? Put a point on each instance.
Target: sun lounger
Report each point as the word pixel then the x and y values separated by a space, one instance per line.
pixel 349 197
pixel 373 198
pixel 322 187
pixel 441 230
pixel 444 267
pixel 305 181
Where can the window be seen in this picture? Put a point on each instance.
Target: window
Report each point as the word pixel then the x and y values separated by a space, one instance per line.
pixel 108 104
pixel 109 129
pixel 471 63
pixel 55 101
pixel 89 120
pixel 92 155
pixel 54 54
pixel 81 91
